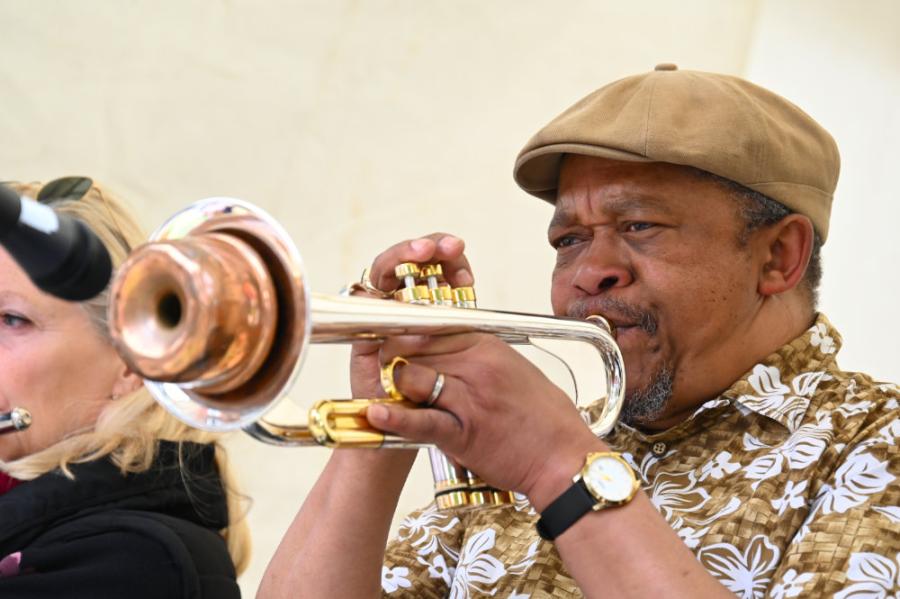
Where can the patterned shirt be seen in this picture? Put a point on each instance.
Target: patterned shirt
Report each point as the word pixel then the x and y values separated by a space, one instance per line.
pixel 786 485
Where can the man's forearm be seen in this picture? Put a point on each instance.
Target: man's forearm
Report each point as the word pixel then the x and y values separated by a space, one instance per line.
pixel 335 545
pixel 631 551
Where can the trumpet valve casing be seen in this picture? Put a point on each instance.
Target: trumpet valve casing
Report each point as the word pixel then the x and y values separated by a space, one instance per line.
pixel 454 485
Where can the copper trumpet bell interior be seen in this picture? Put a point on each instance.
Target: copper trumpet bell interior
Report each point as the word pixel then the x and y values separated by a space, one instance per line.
pixel 213 313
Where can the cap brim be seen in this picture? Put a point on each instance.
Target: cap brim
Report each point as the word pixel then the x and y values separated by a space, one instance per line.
pixel 537 170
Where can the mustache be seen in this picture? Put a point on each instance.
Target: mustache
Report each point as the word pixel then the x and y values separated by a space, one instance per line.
pixel 615 310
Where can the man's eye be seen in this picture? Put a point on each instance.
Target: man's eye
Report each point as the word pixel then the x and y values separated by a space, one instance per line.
pixel 564 241
pixel 638 227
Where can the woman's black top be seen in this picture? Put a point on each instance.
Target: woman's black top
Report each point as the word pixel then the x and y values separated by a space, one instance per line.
pixel 139 536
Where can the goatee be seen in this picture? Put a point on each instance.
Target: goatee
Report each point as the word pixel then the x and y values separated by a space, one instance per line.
pixel 644 405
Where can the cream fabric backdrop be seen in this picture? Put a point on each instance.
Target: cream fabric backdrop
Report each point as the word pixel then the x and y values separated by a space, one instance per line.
pixel 359 124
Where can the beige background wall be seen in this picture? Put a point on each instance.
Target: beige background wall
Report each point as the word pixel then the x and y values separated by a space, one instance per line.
pixel 358 124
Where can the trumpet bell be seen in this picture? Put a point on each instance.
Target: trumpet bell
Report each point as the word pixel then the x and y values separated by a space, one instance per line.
pixel 213 313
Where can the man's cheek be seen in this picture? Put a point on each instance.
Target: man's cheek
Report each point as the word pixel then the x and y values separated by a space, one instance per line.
pixel 559 300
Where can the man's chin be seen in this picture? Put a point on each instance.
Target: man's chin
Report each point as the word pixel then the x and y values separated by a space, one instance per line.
pixel 647 403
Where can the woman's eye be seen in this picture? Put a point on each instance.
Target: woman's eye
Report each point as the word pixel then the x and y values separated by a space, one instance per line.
pixel 14 321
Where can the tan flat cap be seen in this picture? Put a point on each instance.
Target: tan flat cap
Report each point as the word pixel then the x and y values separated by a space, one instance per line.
pixel 717 123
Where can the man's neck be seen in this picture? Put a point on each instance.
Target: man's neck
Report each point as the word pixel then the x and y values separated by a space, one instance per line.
pixel 779 320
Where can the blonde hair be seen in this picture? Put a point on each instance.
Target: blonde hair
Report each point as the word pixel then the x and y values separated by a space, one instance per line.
pixel 129 429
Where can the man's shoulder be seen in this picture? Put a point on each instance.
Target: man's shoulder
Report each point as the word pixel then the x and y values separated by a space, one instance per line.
pixel 856 405
pixel 841 388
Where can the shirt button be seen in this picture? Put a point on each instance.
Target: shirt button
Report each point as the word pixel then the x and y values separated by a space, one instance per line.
pixel 658 449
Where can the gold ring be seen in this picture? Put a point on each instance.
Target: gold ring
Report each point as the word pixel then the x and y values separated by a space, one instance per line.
pixel 387 378
pixel 366 283
pixel 435 391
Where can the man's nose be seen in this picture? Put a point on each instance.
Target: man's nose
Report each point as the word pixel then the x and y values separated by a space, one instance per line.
pixel 602 268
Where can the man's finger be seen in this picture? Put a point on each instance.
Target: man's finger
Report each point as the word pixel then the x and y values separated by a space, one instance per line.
pixel 430 345
pixel 364 348
pixel 416 424
pixel 411 250
pixel 438 247
pixel 450 253
pixel 416 382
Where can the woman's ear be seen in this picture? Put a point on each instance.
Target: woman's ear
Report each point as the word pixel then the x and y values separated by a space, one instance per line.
pixel 785 248
pixel 127 382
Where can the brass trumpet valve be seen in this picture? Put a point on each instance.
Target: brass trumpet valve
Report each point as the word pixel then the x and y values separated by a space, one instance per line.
pixel 417 294
pixel 408 272
pixel 440 292
pixel 425 284
pixel 412 292
pixel 464 297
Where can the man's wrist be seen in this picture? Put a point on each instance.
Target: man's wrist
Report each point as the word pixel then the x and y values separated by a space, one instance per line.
pixel 561 467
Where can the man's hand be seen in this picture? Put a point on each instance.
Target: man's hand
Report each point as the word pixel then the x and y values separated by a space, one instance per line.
pixel 497 414
pixel 435 248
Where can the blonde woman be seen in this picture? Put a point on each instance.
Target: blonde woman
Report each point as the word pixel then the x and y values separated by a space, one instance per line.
pixel 105 494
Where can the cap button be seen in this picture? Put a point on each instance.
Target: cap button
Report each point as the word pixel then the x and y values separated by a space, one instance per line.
pixel 666 66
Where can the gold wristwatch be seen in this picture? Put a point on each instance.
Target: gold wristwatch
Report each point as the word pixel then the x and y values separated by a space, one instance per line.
pixel 606 480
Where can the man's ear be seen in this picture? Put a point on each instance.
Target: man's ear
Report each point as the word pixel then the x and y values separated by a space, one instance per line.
pixel 784 248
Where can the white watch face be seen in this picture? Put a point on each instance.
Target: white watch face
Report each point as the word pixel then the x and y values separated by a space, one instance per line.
pixel 609 478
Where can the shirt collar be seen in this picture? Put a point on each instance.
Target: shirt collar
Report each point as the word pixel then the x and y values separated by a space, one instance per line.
pixel 781 386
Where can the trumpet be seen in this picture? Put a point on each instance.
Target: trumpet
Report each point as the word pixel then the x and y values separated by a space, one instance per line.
pixel 215 314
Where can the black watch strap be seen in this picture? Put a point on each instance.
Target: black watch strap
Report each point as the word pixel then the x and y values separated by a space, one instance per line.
pixel 565 511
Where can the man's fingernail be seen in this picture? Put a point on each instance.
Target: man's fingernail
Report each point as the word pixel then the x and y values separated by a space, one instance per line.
pixel 419 245
pixel 464 278
pixel 377 412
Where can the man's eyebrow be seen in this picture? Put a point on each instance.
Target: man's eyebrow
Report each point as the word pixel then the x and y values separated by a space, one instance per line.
pixel 561 218
pixel 618 206
pixel 638 202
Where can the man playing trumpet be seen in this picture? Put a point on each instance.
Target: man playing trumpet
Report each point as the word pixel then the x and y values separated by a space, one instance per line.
pixel 689 210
